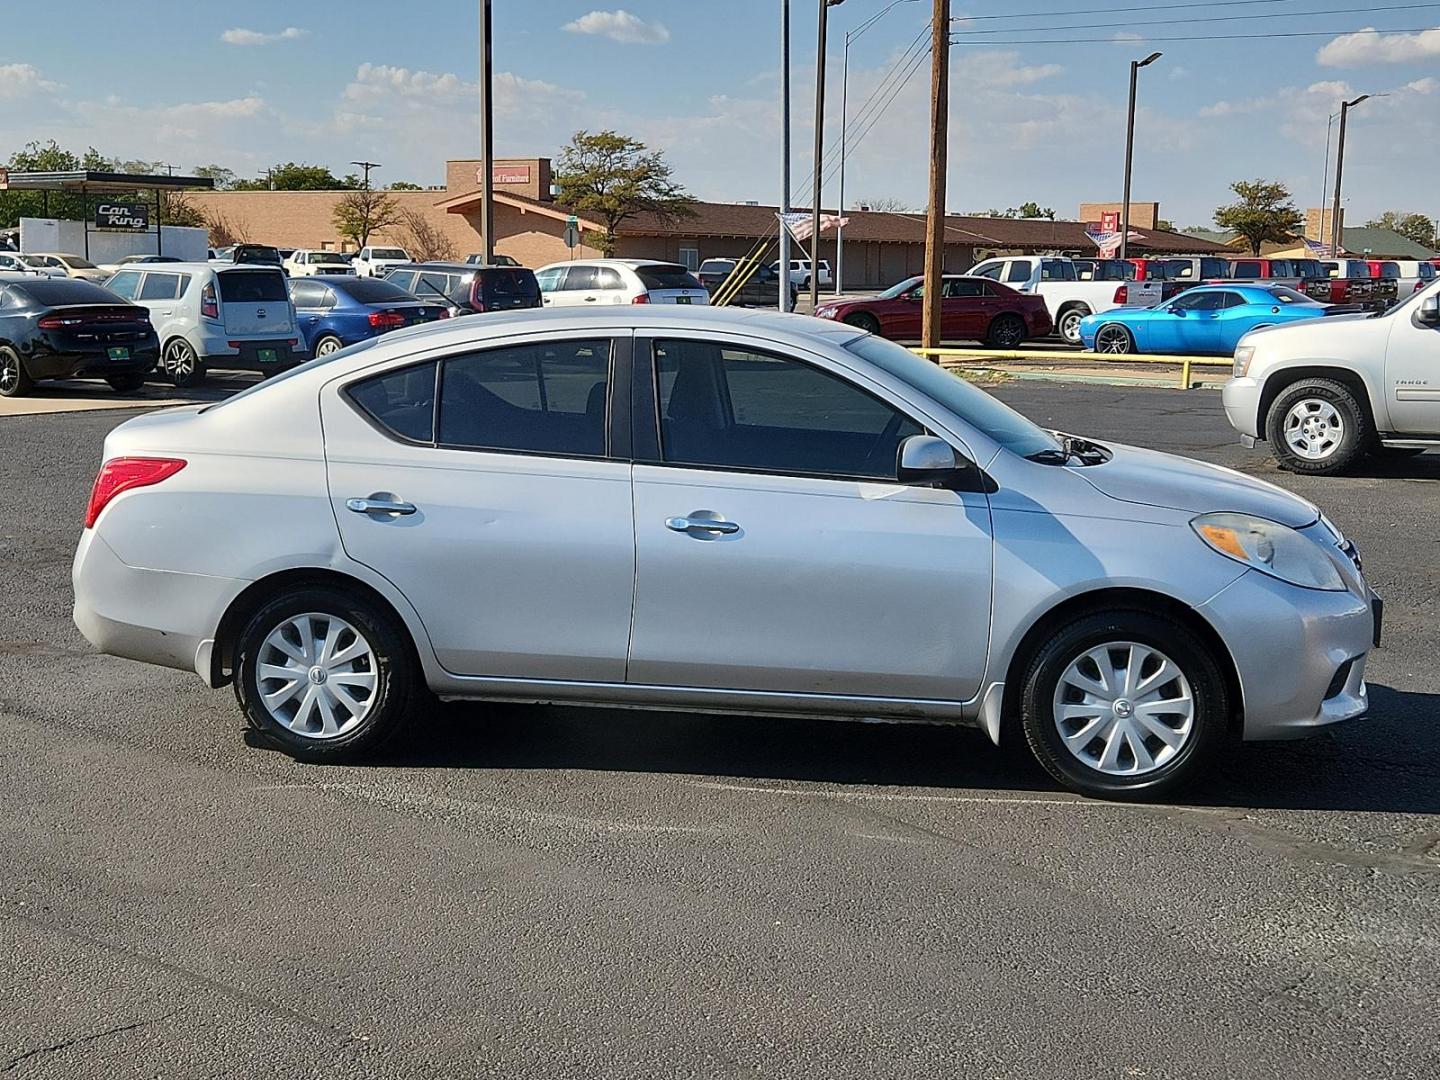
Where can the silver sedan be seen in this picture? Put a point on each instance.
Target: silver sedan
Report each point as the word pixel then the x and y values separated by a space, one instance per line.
pixel 713 510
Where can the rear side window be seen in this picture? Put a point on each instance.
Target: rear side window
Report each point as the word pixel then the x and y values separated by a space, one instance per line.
pixel 546 398
pixel 1019 271
pixel 368 290
pixel 402 402
pixel 662 276
pixel 509 284
pixel 124 284
pixel 1389 270
pixel 160 287
pixel 579 278
pixel 402 279
pixel 432 284
pixel 252 287
pixel 309 294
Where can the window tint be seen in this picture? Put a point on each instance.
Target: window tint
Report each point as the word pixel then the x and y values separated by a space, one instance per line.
pixel 124 284
pixel 1213 268
pixel 309 293
pixel 432 284
pixel 717 266
pixel 57 291
pixel 1056 270
pixel 1389 270
pixel 546 398
pixel 369 290
pixel 1246 270
pixel 160 287
pixel 257 253
pixel 401 279
pixel 1287 295
pixel 733 408
pixel 252 286
pixel 1426 271
pixel 509 284
pixel 1019 271
pixel 607 277
pixel 963 287
pixel 579 278
pixel 549 279
pixel 666 276
pixel 400 401
pixel 1199 301
pixel 991 271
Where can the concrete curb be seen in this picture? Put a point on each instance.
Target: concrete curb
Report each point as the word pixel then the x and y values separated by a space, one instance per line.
pixel 1075 377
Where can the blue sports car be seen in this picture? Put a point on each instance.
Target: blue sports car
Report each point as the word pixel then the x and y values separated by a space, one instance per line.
pixel 1205 319
pixel 337 311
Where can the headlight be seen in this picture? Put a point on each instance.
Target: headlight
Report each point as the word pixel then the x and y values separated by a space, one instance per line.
pixel 1243 356
pixel 825 313
pixel 1271 548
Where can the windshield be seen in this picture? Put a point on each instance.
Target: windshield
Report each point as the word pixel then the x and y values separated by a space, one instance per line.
pixel 325 257
pixel 900 290
pixel 971 404
pixel 388 253
pixel 77 263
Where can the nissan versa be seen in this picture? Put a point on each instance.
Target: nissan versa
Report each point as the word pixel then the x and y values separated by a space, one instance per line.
pixel 717 510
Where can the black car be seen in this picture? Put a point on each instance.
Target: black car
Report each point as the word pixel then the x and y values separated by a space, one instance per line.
pixel 761 288
pixel 495 260
pixel 65 328
pixel 257 255
pixel 468 289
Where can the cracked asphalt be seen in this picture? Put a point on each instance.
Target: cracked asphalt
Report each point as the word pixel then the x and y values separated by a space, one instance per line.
pixel 544 892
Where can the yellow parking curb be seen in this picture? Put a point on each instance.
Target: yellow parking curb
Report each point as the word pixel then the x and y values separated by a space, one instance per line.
pixel 1185 363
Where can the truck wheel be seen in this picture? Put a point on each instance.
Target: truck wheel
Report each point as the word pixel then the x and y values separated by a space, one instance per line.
pixel 1068 324
pixel 1318 427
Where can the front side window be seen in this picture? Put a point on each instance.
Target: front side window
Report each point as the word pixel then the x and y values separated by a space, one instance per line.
pixel 124 283
pixel 545 398
pixel 1199 301
pixel 729 407
pixel 989 270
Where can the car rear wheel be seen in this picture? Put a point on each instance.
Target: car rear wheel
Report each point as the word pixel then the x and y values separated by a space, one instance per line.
pixel 325 674
pixel 327 345
pixel 128 383
pixel 1124 704
pixel 182 366
pixel 14 379
pixel 1006 332
pixel 1068 325
pixel 863 321
pixel 1114 339
pixel 1318 427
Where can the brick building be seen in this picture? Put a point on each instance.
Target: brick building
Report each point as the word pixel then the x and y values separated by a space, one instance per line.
pixel 880 247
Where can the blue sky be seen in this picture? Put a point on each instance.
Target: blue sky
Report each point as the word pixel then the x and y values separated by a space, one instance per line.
pixel 245 85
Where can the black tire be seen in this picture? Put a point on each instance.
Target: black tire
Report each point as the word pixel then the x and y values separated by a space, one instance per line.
pixel 15 381
pixel 1113 339
pixel 1195 661
pixel 396 684
pixel 328 344
pixel 1336 452
pixel 182 365
pixel 127 383
pixel 1006 332
pixel 1067 323
pixel 864 321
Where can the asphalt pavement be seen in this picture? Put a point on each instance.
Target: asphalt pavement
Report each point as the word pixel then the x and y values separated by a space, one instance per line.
pixel 547 892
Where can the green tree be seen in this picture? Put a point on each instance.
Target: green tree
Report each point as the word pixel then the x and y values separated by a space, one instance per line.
pixel 403 185
pixel 1165 225
pixel 1034 210
pixel 222 176
pixel 360 213
pixel 297 177
pixel 1261 213
pixel 1412 226
pixel 614 177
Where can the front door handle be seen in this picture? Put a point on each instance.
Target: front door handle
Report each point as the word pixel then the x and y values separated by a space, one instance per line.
pixel 701 525
pixel 373 505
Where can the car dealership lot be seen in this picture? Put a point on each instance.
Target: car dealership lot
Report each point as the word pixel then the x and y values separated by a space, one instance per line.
pixel 550 892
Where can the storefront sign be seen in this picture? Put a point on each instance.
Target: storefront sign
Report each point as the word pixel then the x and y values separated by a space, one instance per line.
pixel 1110 221
pixel 115 215
pixel 505 174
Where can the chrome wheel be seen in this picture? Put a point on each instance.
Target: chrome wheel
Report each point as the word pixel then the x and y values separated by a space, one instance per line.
pixel 1124 709
pixel 1313 429
pixel 1070 326
pixel 326 346
pixel 179 360
pixel 9 373
pixel 316 675
pixel 1112 339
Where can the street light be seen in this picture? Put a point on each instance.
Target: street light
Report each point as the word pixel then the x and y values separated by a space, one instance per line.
pixel 1135 66
pixel 825 6
pixel 784 288
pixel 1335 238
pixel 850 35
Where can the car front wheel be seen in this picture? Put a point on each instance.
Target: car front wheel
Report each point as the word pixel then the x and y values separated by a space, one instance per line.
pixel 1124 704
pixel 1114 339
pixel 1317 426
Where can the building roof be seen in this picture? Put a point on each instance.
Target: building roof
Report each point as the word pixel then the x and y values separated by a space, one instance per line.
pixel 88 180
pixel 1219 237
pixel 1382 244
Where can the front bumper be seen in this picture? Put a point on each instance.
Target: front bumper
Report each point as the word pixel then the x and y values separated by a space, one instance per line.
pixel 1299 653
pixel 1241 399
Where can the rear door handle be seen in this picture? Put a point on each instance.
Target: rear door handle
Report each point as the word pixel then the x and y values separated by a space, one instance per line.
pixel 701 525
pixel 380 506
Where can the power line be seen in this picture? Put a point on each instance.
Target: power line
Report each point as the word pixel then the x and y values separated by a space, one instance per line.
pixel 1118 10
pixel 1192 37
pixel 1203 18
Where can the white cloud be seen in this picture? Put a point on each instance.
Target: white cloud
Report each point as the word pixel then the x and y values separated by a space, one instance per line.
pixel 17 80
pixel 239 36
pixel 1427 85
pixel 1235 108
pixel 1368 47
pixel 620 26
pixel 996 68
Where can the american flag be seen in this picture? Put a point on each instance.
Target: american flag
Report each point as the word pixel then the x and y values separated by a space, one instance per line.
pixel 799 223
pixel 1315 247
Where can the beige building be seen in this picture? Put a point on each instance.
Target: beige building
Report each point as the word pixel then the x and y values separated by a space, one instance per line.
pixel 1143 215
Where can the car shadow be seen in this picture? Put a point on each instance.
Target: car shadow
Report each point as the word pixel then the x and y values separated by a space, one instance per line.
pixel 1386 763
pixel 1422 466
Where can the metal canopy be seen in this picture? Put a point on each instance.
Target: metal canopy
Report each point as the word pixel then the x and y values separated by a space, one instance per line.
pixel 86 181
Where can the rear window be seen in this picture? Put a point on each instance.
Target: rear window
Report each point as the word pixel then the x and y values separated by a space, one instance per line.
pixel 1389 270
pixel 388 253
pixel 1425 271
pixel 716 266
pixel 257 253
pixel 1308 268
pixel 509 283
pixel 253 287
pixel 1287 295
pixel 370 290
pixel 662 276
pixel 57 291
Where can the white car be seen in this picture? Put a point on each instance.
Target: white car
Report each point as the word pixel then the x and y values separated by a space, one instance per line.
pixel 1067 297
pixel 72 266
pixel 800 271
pixel 723 511
pixel 371 261
pixel 237 317
pixel 29 265
pixel 595 282
pixel 309 263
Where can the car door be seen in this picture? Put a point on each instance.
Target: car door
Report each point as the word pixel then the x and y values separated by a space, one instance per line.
pixel 821 574
pixel 311 299
pixel 495 503
pixel 965 310
pixel 577 288
pixel 1412 374
pixel 1196 328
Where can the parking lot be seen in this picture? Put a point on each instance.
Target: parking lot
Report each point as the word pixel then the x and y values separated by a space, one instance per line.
pixel 528 891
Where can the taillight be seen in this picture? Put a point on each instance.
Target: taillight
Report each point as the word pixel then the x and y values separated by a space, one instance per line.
pixel 124 473
pixel 209 306
pixel 55 322
pixel 386 319
pixel 1418 286
pixel 1122 294
pixel 643 298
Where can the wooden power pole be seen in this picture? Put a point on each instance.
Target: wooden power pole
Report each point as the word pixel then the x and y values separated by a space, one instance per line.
pixel 939 132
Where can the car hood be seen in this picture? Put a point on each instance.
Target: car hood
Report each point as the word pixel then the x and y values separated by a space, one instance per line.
pixel 1150 478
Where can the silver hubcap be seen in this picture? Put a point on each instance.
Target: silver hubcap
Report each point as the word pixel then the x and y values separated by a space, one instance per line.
pixel 1314 429
pixel 178 360
pixel 9 373
pixel 326 347
pixel 316 675
pixel 1112 339
pixel 1070 326
pixel 1124 709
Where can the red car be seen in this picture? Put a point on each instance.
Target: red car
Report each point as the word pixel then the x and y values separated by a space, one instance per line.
pixel 972 309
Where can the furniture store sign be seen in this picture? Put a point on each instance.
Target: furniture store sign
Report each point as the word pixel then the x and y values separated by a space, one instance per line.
pixel 118 215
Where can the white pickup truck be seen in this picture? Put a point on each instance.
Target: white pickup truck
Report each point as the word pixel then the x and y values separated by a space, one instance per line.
pixel 1327 392
pixel 1067 297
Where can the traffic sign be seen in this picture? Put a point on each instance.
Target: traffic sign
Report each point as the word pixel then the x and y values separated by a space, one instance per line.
pixel 572 236
pixel 572 221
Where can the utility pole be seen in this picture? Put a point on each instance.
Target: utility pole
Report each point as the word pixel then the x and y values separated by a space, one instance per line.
pixel 367 166
pixel 819 154
pixel 939 141
pixel 784 286
pixel 487 138
pixel 1336 243
pixel 1135 66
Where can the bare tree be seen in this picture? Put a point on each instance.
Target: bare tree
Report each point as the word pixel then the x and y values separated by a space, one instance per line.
pixel 885 205
pixel 418 235
pixel 360 213
pixel 226 231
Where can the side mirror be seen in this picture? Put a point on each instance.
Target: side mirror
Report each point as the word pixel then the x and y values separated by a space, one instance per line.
pixel 927 459
pixel 1429 313
pixel 1173 310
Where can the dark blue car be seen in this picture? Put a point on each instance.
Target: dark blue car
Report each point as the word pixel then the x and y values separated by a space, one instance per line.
pixel 337 311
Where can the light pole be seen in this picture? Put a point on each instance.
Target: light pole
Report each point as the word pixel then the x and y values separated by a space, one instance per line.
pixel 850 35
pixel 825 6
pixel 784 286
pixel 1336 242
pixel 1135 66
pixel 1325 183
pixel 487 139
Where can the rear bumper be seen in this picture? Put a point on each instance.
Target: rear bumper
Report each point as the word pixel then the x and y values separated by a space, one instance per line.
pixel 91 361
pixel 215 349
